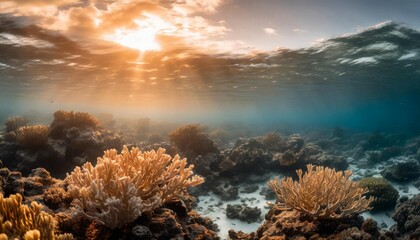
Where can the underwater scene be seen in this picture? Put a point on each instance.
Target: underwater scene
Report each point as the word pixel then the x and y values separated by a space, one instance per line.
pixel 209 119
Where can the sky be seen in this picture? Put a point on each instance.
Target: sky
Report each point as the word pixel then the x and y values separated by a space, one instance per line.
pixel 269 24
pixel 208 25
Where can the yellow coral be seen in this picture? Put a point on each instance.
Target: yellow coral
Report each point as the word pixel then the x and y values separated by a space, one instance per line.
pixel 322 193
pixel 122 186
pixel 19 221
pixel 32 235
pixel 33 137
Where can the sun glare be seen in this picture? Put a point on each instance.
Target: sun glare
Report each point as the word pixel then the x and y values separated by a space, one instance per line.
pixel 140 39
pixel 143 37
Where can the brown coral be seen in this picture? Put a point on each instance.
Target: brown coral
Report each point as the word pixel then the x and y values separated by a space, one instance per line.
pixel 55 197
pixel 193 138
pixel 75 119
pixel 33 137
pixel 322 193
pixel 14 123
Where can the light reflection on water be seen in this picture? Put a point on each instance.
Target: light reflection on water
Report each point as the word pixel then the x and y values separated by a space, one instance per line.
pixel 335 83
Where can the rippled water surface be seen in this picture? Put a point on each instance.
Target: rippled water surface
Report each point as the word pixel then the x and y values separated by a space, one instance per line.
pixel 368 80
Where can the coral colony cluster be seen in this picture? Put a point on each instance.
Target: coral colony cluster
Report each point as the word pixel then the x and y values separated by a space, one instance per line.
pixel 122 186
pixel 322 193
pixel 20 221
pixel 54 186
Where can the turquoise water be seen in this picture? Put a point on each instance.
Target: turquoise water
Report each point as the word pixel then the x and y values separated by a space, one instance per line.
pixel 365 81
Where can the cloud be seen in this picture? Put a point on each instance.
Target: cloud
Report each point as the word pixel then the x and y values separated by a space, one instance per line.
pixel 298 30
pixel 270 31
pixel 176 22
pixel 200 6
pixel 10 39
pixel 39 2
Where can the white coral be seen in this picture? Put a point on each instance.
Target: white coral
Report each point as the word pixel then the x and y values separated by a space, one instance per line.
pixel 122 186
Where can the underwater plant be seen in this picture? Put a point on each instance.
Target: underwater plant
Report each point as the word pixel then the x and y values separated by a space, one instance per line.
pixel 322 193
pixel 33 137
pixel 123 186
pixel 14 123
pixel 75 119
pixel 18 221
pixel 385 194
pixel 192 138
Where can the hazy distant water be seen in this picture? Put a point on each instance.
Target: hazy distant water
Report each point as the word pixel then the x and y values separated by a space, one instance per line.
pixel 365 81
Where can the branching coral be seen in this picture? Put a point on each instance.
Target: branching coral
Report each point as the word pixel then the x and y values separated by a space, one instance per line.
pixel 322 193
pixel 122 186
pixel 33 137
pixel 19 221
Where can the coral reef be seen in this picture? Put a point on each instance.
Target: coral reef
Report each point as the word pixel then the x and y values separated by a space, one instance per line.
pixel 297 156
pixel 66 120
pixel 387 153
pixel 407 216
pixel 33 137
pixel 131 194
pixel 248 155
pixel 173 220
pixel 11 182
pixel 402 171
pixel 322 193
pixel 122 186
pixel 26 222
pixel 282 225
pixel 385 194
pixel 14 123
pixel 39 186
pixel 208 164
pixel 192 138
pixel 274 142
pixel 244 213
pixel 72 139
pixel 227 193
pixel 8 153
pixel 56 197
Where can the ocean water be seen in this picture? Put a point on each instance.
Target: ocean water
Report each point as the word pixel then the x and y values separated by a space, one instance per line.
pixel 365 83
pixel 368 80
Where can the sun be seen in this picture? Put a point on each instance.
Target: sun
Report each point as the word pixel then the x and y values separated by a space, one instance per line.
pixel 140 39
pixel 143 36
